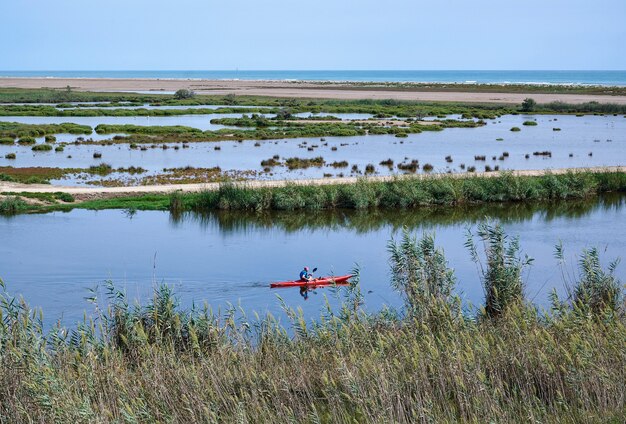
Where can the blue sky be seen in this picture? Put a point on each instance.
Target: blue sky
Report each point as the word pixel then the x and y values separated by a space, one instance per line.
pixel 315 34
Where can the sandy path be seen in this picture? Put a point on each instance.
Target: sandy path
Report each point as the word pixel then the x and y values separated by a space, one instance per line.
pixel 293 89
pixel 86 193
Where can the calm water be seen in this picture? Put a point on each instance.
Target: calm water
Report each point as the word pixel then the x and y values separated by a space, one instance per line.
pixel 603 136
pixel 52 259
pixel 500 77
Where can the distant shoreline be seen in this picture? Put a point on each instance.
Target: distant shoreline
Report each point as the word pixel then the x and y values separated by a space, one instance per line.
pixel 616 78
pixel 470 93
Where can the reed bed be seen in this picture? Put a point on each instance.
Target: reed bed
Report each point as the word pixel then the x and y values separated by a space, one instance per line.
pixel 406 192
pixel 428 361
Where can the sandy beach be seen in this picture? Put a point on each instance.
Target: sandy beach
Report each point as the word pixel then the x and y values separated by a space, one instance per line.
pixel 298 89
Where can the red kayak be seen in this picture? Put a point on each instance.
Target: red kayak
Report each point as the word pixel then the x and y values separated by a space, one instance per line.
pixel 316 282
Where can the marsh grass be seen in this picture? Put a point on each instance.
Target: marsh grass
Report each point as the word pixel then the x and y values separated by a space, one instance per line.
pixel 12 204
pixel 410 192
pixel 426 362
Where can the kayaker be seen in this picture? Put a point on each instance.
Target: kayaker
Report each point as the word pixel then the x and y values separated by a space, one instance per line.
pixel 304 274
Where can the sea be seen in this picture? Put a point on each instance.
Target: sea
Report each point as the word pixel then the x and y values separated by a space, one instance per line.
pixel 604 78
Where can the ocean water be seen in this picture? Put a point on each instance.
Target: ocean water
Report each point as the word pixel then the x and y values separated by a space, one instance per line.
pixel 611 78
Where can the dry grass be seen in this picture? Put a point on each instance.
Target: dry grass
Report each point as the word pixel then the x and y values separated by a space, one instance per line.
pixel 433 363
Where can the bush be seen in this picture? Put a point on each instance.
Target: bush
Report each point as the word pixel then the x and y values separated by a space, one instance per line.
pixel 11 205
pixel 10 156
pixel 184 93
pixel 530 123
pixel 42 148
pixel 65 197
pixel 515 129
pixel 59 149
pixel 529 105
pixel 50 139
pixel 26 140
pixel 6 140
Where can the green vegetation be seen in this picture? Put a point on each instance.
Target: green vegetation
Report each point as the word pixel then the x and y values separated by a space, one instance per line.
pixel 279 129
pixel 7 140
pixel 10 156
pixel 183 94
pixel 407 192
pixel 515 129
pixel 26 140
pixel 382 108
pixel 42 148
pixel 529 105
pixel 28 131
pixel 50 139
pixel 43 175
pixel 530 123
pixel 428 360
pixel 11 204
pixel 300 163
pixel 399 193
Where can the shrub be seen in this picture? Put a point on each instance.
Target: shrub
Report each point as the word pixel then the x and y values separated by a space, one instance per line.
pixel 528 105
pixel 12 204
pixel 50 139
pixel 370 168
pixel 42 148
pixel 184 93
pixel 59 149
pixel 6 140
pixel 530 123
pixel 515 129
pixel 97 155
pixel 65 197
pixel 339 164
pixel 427 167
pixel 26 140
pixel 10 156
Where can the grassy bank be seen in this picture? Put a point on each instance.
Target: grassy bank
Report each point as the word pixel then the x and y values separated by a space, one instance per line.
pixel 400 193
pixel 428 361
pixel 13 130
pixel 404 193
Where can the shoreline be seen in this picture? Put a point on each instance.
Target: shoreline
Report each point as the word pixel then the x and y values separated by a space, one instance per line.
pixel 84 193
pixel 447 92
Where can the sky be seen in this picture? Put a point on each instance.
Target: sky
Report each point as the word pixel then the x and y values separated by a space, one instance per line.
pixel 314 34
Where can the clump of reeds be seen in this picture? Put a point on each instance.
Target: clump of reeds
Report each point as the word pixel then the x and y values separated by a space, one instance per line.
pixel 12 204
pixel 501 271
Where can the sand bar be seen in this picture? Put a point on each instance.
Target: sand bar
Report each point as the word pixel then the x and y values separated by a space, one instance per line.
pixel 302 89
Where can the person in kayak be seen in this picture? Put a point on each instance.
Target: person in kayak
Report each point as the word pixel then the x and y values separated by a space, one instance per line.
pixel 304 274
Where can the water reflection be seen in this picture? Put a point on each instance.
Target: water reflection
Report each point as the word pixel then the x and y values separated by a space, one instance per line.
pixel 371 220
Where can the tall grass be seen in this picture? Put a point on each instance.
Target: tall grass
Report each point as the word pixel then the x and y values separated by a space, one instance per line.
pixel 12 204
pixel 408 192
pixel 160 363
